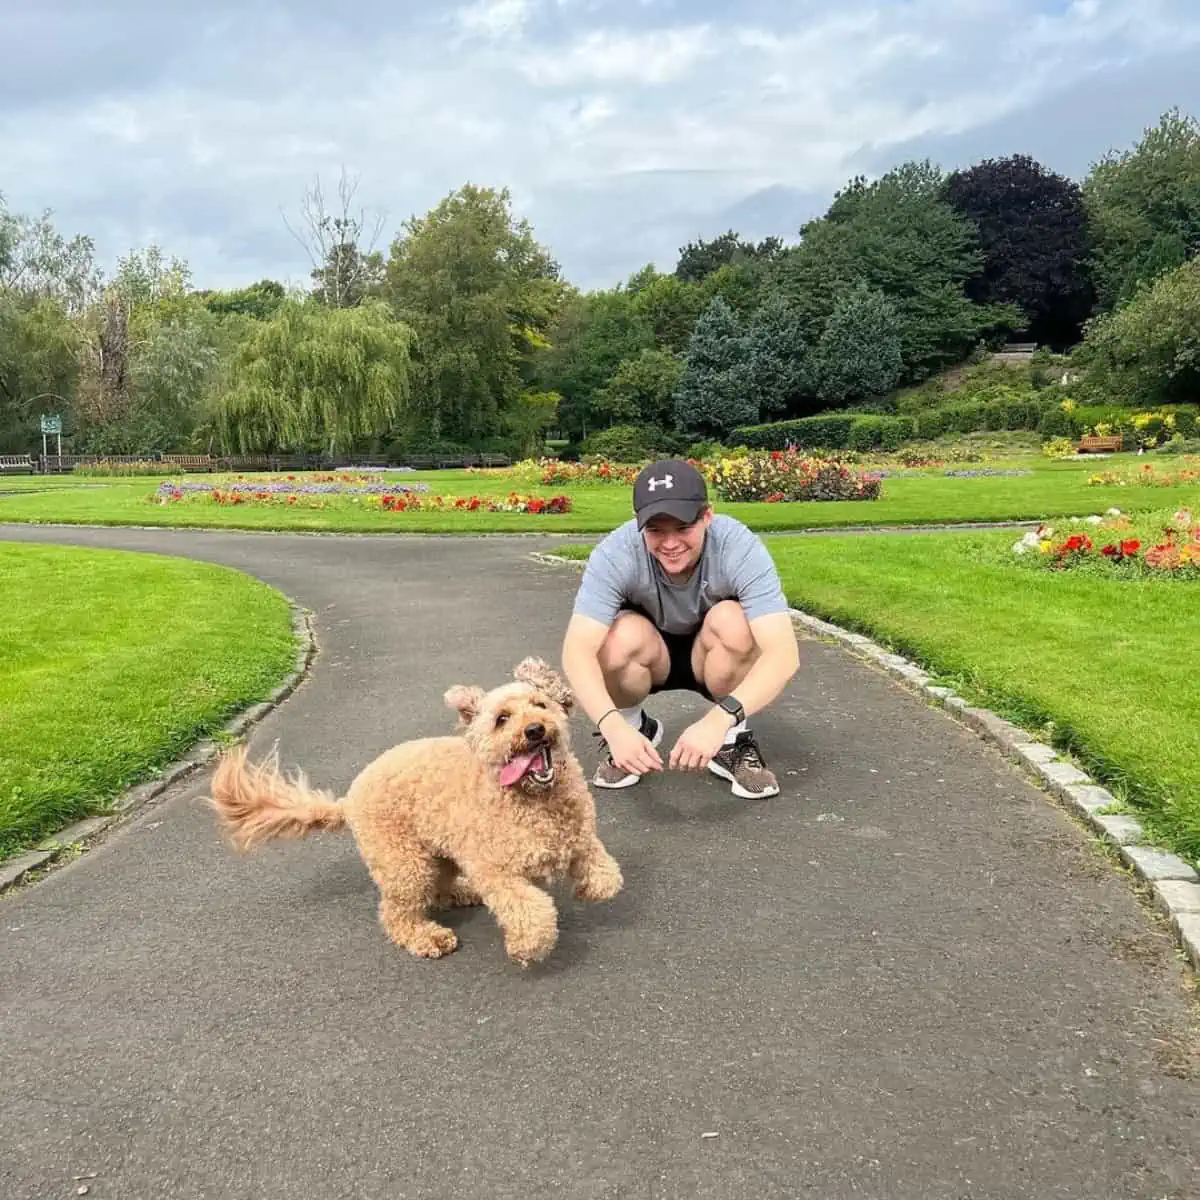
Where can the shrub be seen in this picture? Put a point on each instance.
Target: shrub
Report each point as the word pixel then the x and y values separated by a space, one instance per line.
pixel 1056 421
pixel 866 433
pixel 782 475
pixel 875 432
pixel 628 443
pixel 829 431
pixel 1181 445
pixel 701 451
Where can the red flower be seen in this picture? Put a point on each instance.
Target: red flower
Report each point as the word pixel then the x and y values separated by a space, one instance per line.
pixel 1130 546
pixel 1109 551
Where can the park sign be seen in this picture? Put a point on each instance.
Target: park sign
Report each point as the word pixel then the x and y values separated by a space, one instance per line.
pixel 51 424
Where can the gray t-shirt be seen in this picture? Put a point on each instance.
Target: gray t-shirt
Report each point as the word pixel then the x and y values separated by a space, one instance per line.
pixel 734 565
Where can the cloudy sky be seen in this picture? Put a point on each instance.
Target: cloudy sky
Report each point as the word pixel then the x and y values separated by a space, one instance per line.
pixel 623 128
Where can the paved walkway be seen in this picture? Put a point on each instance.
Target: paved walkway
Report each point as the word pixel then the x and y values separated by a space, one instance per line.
pixel 907 977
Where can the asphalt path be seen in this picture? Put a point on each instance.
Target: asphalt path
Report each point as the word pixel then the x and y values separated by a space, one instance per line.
pixel 908 976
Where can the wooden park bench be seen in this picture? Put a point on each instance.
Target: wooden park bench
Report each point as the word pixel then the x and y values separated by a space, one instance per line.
pixel 1096 444
pixel 16 464
pixel 189 462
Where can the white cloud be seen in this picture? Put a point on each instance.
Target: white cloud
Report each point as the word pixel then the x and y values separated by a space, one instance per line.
pixel 651 58
pixel 212 124
pixel 494 18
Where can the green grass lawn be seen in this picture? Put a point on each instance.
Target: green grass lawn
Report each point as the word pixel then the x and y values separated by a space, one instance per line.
pixel 1054 489
pixel 116 663
pixel 1105 669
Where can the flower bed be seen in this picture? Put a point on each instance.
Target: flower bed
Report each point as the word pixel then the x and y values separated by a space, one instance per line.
pixel 365 491
pixel 776 476
pixel 513 502
pixel 1147 475
pixel 551 473
pixel 1156 545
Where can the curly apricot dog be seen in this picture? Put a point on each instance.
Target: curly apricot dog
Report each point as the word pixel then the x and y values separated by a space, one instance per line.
pixel 483 816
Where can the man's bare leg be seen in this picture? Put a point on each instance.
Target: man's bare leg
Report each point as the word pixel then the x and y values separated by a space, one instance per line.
pixel 633 657
pixel 723 653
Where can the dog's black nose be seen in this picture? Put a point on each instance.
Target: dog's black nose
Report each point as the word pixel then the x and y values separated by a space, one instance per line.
pixel 535 732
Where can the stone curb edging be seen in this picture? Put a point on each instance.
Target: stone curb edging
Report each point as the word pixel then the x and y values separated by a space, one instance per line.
pixel 1174 883
pixel 17 870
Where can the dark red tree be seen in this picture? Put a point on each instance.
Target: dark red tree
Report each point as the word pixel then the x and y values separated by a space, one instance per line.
pixel 1033 231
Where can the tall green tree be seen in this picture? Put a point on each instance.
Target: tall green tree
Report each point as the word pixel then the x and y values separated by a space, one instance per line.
pixel 779 359
pixel 317 378
pixel 258 301
pixel 594 333
pixel 859 354
pixel 1033 232
pixel 699 259
pixel 642 390
pixel 39 367
pixel 1144 206
pixel 39 262
pixel 481 295
pixel 1147 352
pixel 715 394
pixel 898 236
pixel 670 307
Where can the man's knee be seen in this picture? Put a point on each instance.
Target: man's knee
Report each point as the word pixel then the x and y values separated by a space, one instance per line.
pixel 725 626
pixel 630 639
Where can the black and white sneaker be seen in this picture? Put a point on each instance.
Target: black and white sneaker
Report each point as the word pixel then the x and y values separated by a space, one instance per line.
pixel 608 774
pixel 743 765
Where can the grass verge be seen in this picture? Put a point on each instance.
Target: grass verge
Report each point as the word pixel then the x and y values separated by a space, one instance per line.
pixel 1101 668
pixel 1054 489
pixel 116 663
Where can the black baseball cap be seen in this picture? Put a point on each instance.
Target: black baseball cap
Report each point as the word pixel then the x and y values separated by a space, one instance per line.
pixel 669 487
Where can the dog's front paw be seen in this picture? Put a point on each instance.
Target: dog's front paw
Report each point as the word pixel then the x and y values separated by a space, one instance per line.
pixel 433 942
pixel 529 949
pixel 602 882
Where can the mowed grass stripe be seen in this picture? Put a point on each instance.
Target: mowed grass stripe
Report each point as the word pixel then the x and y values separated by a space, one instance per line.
pixel 1105 668
pixel 115 663
pixel 1053 490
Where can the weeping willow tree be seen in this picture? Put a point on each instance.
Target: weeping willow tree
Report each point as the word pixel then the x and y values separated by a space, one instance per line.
pixel 314 375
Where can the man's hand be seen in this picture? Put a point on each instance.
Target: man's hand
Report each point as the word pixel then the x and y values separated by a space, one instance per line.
pixel 700 741
pixel 629 749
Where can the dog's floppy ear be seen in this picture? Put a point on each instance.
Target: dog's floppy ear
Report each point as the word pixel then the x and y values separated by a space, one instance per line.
pixel 466 700
pixel 545 678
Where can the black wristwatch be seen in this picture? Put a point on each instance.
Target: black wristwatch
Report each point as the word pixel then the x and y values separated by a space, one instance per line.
pixel 733 706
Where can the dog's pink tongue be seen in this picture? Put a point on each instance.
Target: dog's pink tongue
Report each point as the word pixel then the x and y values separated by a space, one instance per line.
pixel 512 771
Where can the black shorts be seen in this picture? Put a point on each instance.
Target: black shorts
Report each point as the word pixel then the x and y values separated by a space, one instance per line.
pixel 680 676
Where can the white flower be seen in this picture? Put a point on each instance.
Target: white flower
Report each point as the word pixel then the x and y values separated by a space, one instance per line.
pixel 1113 512
pixel 1094 520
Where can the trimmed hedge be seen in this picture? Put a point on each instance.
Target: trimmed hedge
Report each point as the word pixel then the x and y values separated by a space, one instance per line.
pixel 854 431
pixel 827 432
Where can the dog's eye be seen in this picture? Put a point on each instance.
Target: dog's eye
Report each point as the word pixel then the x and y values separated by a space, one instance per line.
pixel 537 704
pixel 501 719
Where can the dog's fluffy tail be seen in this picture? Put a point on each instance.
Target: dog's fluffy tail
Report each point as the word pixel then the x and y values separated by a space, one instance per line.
pixel 255 803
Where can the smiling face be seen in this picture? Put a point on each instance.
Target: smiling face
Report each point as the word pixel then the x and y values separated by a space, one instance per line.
pixel 677 546
pixel 519 730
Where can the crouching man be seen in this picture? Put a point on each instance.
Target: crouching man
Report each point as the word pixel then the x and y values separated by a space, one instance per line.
pixel 680 598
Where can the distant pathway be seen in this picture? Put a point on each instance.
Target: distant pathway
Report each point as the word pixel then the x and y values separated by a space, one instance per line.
pixel 907 976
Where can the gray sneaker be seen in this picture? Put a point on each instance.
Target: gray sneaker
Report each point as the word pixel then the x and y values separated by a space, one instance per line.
pixel 608 774
pixel 743 765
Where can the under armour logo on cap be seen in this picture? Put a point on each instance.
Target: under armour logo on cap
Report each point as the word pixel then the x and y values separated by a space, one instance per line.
pixel 684 492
